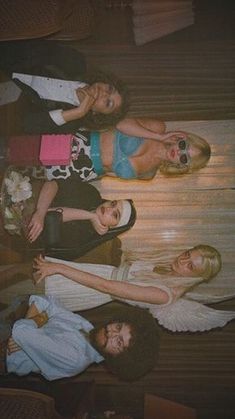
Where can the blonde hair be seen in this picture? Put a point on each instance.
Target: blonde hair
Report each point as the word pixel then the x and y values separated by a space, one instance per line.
pixel 157 264
pixel 212 261
pixel 196 163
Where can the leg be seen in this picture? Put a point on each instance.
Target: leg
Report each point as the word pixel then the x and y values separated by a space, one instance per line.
pixel 45 58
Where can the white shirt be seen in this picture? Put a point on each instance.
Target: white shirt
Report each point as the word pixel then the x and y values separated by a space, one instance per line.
pixel 56 350
pixel 53 89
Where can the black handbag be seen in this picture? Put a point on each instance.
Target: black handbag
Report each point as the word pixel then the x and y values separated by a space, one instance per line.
pixel 52 231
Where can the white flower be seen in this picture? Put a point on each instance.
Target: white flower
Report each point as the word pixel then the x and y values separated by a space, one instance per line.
pixel 12 229
pixel 10 226
pixel 8 213
pixel 18 187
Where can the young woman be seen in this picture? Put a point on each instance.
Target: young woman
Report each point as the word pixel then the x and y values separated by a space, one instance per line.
pixel 88 220
pixel 113 153
pixel 62 106
pixel 158 282
pixel 58 95
pixel 163 284
pixel 173 287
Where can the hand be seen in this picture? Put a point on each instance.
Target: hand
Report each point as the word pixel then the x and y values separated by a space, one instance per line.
pixel 40 319
pixel 89 95
pixel 44 269
pixel 99 228
pixel 12 346
pixel 35 226
pixel 173 135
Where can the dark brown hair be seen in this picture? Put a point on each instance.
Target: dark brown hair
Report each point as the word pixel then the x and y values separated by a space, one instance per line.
pixel 98 121
pixel 141 356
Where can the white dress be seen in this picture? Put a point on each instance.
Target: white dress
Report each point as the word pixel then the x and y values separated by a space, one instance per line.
pixel 76 297
pixel 179 316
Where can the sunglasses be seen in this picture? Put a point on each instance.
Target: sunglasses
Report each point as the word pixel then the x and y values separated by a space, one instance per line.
pixel 184 157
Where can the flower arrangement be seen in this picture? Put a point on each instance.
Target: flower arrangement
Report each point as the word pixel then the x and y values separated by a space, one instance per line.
pixel 15 191
pixel 18 187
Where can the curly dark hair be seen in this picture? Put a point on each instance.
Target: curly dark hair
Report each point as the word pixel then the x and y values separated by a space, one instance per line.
pixel 141 356
pixel 99 121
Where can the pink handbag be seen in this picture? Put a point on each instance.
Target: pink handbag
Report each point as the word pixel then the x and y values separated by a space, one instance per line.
pixel 56 150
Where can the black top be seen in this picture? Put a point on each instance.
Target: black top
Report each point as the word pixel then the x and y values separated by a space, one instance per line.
pixel 81 195
pixel 48 59
pixel 42 58
pixel 76 237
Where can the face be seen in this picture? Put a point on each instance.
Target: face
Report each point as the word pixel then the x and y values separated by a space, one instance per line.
pixel 179 151
pixel 108 99
pixel 109 213
pixel 189 263
pixel 113 339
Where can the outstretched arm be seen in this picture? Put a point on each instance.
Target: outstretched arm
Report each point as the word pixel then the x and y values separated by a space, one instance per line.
pixel 146 127
pixel 147 294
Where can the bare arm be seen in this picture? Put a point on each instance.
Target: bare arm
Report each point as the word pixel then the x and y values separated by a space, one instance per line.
pixel 147 128
pixel 142 127
pixel 88 96
pixel 125 290
pixel 47 194
pixel 72 214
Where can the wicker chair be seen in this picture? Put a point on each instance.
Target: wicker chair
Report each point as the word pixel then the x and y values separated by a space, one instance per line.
pixel 21 404
pixel 35 398
pixel 56 19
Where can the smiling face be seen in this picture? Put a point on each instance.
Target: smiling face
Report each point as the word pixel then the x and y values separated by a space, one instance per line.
pixel 109 213
pixel 179 151
pixel 108 99
pixel 189 263
pixel 112 339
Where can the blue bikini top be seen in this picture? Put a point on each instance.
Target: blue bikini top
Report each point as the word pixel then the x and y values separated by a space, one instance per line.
pixel 124 147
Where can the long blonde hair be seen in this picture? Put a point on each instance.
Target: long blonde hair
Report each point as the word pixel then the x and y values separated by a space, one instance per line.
pixel 158 265
pixel 196 163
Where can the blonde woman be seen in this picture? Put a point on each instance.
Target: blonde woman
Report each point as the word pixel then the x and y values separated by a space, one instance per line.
pixel 162 284
pixel 138 149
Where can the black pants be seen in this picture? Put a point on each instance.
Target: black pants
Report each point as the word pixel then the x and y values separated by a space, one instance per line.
pixel 44 58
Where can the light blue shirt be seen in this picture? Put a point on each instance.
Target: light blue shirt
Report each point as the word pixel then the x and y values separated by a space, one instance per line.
pixel 56 350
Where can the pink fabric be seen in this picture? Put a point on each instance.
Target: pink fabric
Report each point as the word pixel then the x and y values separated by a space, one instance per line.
pixel 55 150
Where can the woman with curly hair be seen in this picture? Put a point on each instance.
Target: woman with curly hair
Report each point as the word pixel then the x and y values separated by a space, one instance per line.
pixel 98 104
pixel 59 94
